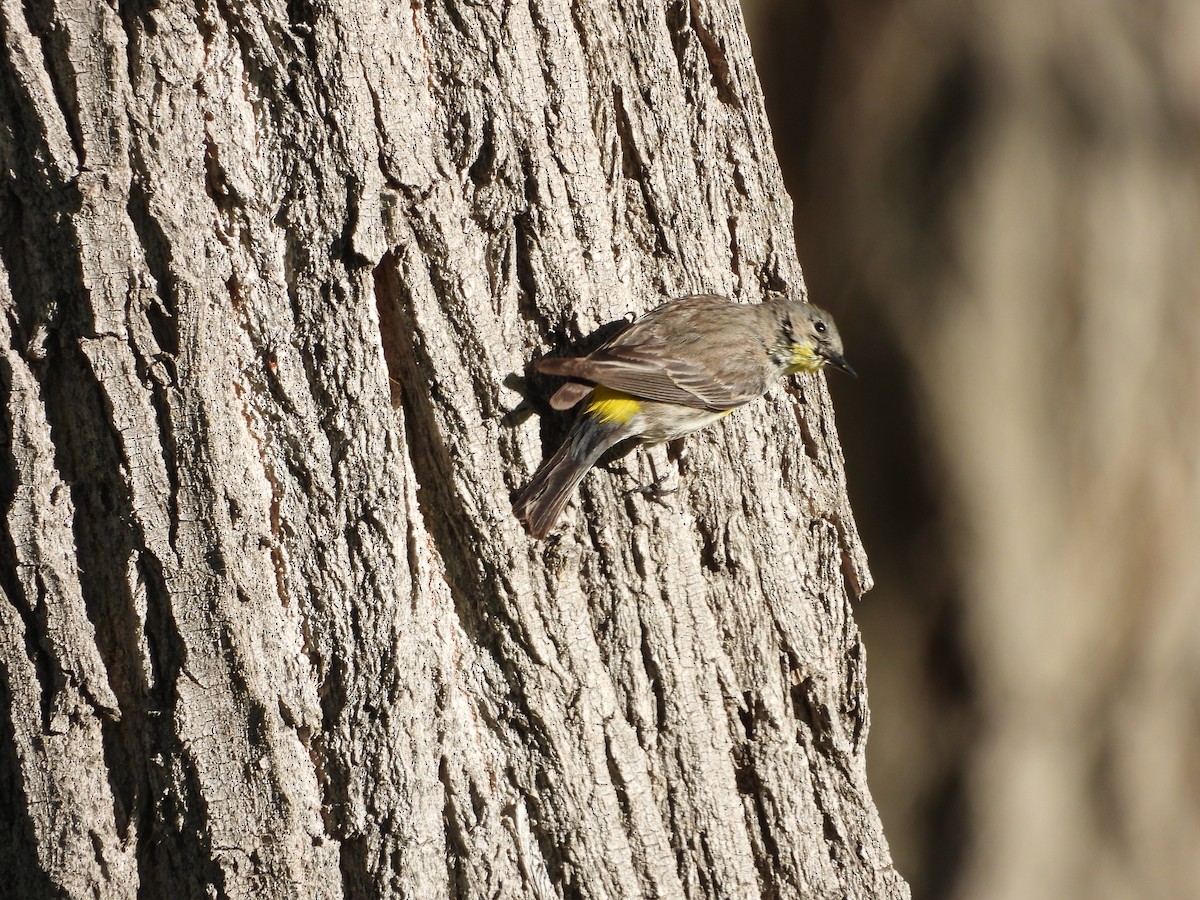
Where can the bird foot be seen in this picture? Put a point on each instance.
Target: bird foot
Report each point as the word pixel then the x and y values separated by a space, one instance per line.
pixel 655 492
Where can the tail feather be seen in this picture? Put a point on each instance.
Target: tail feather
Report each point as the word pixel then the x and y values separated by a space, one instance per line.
pixel 547 493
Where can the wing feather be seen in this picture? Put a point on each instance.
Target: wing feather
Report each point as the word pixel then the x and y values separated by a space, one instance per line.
pixel 656 362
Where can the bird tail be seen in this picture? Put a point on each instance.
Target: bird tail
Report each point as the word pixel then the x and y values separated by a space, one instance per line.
pixel 540 504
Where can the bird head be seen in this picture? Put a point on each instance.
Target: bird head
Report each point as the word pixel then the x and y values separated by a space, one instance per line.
pixel 813 340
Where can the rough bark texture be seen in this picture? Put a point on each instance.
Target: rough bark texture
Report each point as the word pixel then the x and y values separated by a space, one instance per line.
pixel 1004 199
pixel 270 274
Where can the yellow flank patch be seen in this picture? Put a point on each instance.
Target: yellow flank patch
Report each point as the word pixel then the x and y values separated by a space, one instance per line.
pixel 804 359
pixel 608 405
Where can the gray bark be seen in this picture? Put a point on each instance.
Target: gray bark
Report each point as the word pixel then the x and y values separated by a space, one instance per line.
pixel 270 627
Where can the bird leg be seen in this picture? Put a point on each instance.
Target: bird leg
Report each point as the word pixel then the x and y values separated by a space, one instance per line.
pixel 654 491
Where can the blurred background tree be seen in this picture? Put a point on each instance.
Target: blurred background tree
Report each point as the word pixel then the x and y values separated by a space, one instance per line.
pixel 1000 203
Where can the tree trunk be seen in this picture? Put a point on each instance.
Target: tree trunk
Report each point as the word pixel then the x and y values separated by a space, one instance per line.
pixel 270 626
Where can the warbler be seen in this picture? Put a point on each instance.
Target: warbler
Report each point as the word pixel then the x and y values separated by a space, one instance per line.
pixel 675 370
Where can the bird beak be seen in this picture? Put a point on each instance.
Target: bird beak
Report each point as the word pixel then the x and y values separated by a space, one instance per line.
pixel 838 363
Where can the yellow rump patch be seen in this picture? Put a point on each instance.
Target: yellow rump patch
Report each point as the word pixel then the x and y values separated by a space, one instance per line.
pixel 608 405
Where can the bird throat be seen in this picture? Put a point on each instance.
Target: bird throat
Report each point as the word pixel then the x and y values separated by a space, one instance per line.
pixel 804 358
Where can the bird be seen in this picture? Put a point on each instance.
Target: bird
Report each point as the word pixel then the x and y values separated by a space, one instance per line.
pixel 675 370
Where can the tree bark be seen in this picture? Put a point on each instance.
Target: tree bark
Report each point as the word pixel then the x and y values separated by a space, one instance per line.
pixel 270 626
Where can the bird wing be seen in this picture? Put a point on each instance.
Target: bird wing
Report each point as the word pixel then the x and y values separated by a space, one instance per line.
pixel 570 394
pixel 667 380
pixel 716 363
pixel 648 370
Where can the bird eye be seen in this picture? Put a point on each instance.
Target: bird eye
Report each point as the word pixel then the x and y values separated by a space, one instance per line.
pixel 820 327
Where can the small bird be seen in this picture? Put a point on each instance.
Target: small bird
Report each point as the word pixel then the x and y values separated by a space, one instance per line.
pixel 675 370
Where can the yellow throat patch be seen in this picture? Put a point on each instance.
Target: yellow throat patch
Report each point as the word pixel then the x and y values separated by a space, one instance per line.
pixel 608 405
pixel 804 359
